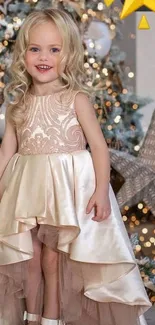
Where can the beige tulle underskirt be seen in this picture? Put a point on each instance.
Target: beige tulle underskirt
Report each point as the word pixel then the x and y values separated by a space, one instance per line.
pixel 46 196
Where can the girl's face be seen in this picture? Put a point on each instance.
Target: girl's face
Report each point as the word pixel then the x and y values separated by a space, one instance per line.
pixel 42 55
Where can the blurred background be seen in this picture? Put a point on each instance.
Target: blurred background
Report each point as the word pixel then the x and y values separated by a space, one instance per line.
pixel 119 64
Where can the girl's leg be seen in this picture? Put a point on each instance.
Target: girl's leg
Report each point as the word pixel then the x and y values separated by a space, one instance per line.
pixel 33 284
pixel 50 270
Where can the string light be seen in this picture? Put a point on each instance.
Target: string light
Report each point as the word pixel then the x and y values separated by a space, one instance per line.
pixel 140 206
pixel 141 238
pixel 117 104
pixel 133 218
pixel 144 230
pixel 108 103
pixel 89 83
pixel 100 6
pixel 132 225
pixel 84 17
pixel 91 45
pixel 95 65
pixel 91 60
pixel 136 148
pixel 135 106
pixel 130 74
pixel 98 76
pixel 145 210
pixel 2 116
pixel 147 244
pixel 138 248
pixel 112 27
pixel 117 119
pixel 109 127
pixel 86 65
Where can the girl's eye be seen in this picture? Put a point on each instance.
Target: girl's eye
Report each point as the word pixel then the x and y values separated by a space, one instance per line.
pixel 55 49
pixel 34 49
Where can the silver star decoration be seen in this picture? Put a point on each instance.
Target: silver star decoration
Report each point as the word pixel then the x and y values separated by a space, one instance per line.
pixel 3 8
pixel 139 172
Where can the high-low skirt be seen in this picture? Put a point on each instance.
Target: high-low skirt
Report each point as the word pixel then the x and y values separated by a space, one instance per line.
pixel 99 281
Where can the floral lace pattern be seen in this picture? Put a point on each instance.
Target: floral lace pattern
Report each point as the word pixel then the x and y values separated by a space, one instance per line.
pixel 50 127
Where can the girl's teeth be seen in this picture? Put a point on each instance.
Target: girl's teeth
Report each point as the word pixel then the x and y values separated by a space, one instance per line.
pixel 43 67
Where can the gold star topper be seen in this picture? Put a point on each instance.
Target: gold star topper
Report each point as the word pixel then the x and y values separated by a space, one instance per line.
pixel 132 5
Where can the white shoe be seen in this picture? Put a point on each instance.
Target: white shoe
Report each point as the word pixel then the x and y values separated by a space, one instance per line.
pixel 31 317
pixel 46 321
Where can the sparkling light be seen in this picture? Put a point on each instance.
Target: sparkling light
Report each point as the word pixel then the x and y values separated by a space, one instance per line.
pixel 136 148
pixel 105 71
pixel 89 83
pixel 144 230
pixel 140 206
pixel 135 106
pixel 91 45
pixel 117 104
pixel 109 127
pixel 91 60
pixel 138 248
pixel 100 6
pixel 117 119
pixel 130 74
pixel 86 65
pixel 2 116
pixel 98 76
pixel 112 27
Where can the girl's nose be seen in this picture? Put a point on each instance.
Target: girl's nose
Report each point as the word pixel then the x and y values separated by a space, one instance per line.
pixel 43 56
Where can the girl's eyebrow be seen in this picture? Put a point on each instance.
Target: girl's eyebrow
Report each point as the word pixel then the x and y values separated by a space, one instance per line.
pixel 48 45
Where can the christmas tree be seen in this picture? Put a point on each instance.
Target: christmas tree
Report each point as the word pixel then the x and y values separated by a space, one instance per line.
pixel 117 108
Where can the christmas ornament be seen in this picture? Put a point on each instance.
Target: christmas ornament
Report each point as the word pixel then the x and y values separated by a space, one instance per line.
pixel 98 39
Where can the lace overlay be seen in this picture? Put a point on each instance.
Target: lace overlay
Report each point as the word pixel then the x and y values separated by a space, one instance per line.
pixel 50 126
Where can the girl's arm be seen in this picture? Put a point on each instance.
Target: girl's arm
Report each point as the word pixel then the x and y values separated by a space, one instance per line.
pixel 8 146
pixel 100 155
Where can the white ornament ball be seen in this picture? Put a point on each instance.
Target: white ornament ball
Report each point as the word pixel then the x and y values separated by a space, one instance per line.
pixel 98 39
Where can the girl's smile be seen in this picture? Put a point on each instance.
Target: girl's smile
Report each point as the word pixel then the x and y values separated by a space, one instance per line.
pixel 43 68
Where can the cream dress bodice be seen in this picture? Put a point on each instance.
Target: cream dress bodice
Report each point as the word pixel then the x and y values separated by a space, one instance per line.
pixel 51 126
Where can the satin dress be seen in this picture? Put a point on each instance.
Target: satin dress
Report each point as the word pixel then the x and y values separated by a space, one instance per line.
pixel 45 189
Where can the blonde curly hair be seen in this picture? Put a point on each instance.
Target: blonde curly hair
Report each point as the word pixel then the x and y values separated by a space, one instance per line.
pixel 71 60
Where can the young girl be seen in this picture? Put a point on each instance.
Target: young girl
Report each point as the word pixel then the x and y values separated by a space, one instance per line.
pixel 65 254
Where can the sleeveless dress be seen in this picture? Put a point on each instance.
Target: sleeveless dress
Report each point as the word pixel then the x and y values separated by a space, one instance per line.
pixel 45 189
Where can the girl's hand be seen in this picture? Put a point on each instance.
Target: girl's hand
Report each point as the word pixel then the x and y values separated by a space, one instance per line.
pixel 101 202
